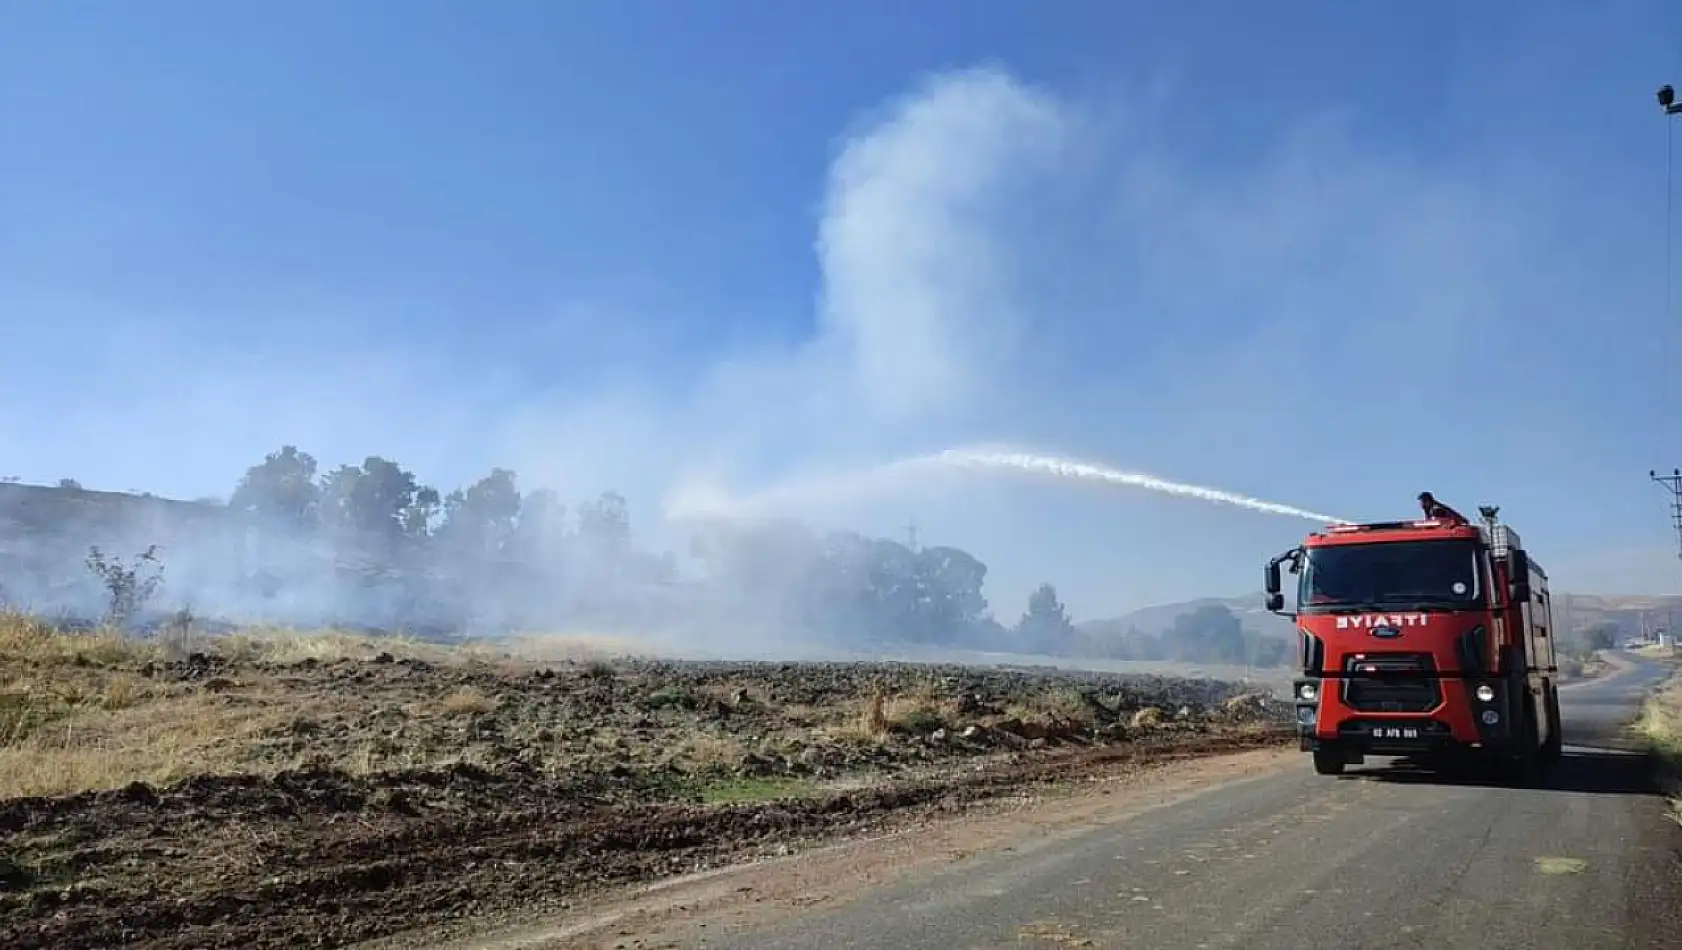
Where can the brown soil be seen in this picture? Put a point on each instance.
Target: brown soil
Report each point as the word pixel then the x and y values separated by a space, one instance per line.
pixel 535 786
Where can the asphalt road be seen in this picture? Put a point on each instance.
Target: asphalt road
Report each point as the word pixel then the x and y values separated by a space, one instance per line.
pixel 1378 858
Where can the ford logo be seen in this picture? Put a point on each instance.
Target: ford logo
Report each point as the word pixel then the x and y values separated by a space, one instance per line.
pixel 1386 633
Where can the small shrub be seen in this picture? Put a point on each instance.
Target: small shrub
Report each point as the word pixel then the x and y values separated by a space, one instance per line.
pixel 468 701
pixel 130 586
pixel 672 696
pixel 920 720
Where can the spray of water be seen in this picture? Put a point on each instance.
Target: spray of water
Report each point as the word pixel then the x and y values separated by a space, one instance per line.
pixel 713 503
pixel 1066 468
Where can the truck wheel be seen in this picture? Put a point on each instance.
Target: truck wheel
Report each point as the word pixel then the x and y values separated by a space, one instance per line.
pixel 1328 760
pixel 1554 747
pixel 1519 764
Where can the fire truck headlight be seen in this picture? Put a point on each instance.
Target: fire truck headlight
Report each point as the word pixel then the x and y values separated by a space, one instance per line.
pixel 1305 715
pixel 1306 692
pixel 1485 693
pixel 1491 717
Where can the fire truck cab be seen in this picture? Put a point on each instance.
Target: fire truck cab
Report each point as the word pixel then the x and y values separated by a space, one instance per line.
pixel 1429 639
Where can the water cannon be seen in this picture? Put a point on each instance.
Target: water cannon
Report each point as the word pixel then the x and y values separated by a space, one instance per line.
pixel 1667 100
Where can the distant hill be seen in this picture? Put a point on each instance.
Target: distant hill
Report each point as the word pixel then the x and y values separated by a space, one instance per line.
pixel 1157 620
pixel 1630 615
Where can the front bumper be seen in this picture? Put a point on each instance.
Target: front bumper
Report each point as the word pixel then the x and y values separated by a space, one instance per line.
pixel 1464 718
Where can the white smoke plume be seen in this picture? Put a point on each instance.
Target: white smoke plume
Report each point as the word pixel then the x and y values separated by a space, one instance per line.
pixel 1315 313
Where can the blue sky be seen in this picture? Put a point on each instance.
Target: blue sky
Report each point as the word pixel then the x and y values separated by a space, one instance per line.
pixel 1326 254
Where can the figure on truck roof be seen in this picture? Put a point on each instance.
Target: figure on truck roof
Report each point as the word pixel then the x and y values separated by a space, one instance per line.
pixel 1436 509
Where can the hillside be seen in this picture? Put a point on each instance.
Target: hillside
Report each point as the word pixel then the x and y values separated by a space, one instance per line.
pixel 1629 615
pixel 1159 619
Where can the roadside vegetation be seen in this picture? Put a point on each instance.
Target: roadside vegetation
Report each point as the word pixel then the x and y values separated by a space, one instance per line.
pixel 1660 728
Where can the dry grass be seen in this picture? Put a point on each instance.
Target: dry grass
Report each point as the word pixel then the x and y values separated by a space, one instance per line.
pixel 28 641
pixel 577 647
pixel 712 754
pixel 159 741
pixel 468 701
pixel 1660 723
pixel 98 710
pixel 918 711
pixel 1668 654
pixel 1660 727
pixel 78 710
pixel 1146 718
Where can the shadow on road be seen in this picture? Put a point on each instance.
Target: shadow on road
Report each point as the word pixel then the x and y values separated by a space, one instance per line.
pixel 1585 771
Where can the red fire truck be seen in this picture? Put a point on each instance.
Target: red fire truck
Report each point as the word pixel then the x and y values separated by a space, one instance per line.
pixel 1428 639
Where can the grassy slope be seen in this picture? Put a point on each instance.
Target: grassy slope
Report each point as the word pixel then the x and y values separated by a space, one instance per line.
pixel 1660 727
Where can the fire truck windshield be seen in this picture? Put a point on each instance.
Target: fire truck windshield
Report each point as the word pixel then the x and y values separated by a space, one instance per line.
pixel 1390 575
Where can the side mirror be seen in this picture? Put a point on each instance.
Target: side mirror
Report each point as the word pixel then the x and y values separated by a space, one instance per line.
pixel 1518 566
pixel 1270 577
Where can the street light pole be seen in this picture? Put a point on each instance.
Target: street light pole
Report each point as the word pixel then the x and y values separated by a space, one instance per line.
pixel 1672 482
pixel 1667 100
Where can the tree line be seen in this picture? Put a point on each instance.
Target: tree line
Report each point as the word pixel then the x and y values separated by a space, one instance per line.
pixel 491 555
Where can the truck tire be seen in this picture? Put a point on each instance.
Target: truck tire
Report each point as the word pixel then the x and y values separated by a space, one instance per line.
pixel 1554 747
pixel 1328 760
pixel 1519 761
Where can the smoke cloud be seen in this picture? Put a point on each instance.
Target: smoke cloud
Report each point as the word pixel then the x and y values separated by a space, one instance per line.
pixel 999 262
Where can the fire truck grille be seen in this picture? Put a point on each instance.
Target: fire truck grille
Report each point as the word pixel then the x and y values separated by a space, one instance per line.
pixel 1391 682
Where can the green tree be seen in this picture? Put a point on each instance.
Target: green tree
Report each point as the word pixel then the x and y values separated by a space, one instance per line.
pixel 481 518
pixel 416 520
pixel 540 534
pixel 604 525
pixel 281 487
pixel 369 500
pixel 950 583
pixel 1207 634
pixel 1601 636
pixel 1046 626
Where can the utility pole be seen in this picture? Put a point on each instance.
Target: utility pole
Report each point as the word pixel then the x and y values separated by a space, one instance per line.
pixel 911 535
pixel 1673 483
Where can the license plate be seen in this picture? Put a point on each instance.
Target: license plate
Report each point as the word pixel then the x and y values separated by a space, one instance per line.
pixel 1395 732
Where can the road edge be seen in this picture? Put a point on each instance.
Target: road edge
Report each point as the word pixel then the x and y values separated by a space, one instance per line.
pixel 1658 728
pixel 845 866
